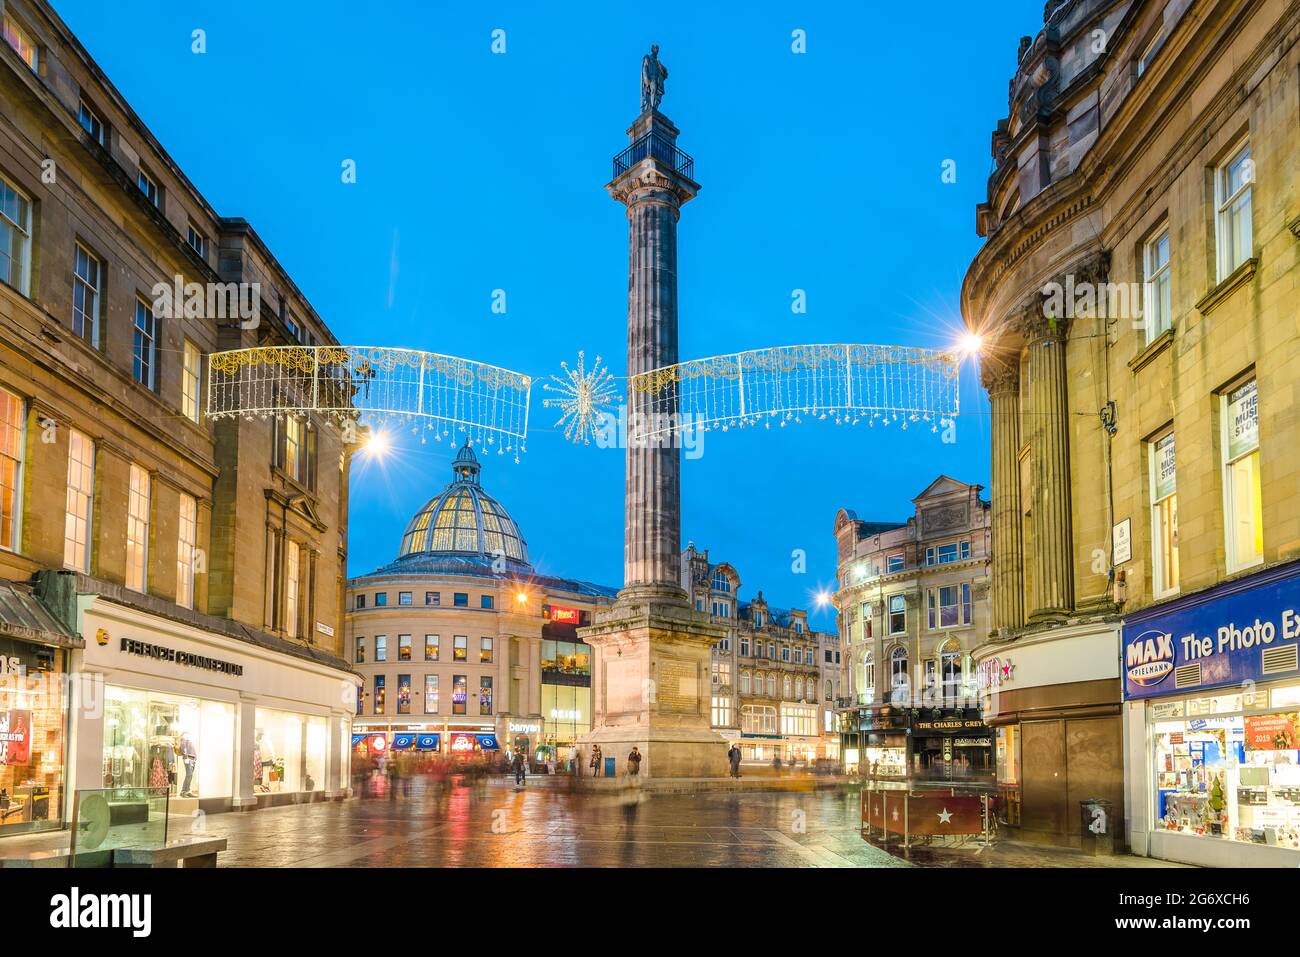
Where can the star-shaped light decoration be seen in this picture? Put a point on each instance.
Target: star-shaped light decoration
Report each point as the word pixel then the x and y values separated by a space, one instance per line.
pixel 945 816
pixel 584 396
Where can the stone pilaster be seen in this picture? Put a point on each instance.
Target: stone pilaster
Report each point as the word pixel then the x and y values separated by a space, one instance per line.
pixel 1001 377
pixel 1049 449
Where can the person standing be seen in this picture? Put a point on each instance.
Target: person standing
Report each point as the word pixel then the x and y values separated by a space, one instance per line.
pixel 596 760
pixel 634 762
pixel 733 756
pixel 521 768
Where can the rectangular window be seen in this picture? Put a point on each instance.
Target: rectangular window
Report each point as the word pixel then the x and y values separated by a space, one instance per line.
pixel 721 711
pixel 894 563
pixel 191 381
pixel 785 653
pixel 868 613
pixel 144 364
pixel 86 277
pixel 430 694
pixel 1164 516
pixel 1158 292
pixel 379 694
pixel 1233 232
pixel 744 647
pixel 381 599
pixel 92 124
pixel 15 236
pixel 360 656
pixel 361 601
pixel 1243 505
pixel 485 651
pixel 295 441
pixel 404 598
pixel 460 599
pixel 431 648
pixel 485 695
pixel 459 648
pixel 146 184
pixel 21 41
pixel 198 242
pixel 381 647
pixel 485 602
pixel 403 694
pixel 897 614
pixel 771 651
pixel 432 598
pixel 293 568
pixel 459 693
pixel 403 647
pixel 187 534
pixel 945 606
pixel 137 529
pixel 80 501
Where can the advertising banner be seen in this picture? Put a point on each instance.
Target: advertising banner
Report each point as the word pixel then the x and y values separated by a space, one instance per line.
pixel 1248 633
pixel 1272 732
pixel 16 737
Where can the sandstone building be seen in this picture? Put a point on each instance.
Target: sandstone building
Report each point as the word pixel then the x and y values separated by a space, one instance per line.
pixel 1138 296
pixel 913 603
pixel 191 575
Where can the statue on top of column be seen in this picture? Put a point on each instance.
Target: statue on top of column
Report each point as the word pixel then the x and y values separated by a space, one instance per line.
pixel 653 74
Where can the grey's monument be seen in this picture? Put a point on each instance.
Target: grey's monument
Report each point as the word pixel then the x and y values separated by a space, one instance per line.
pixel 651 684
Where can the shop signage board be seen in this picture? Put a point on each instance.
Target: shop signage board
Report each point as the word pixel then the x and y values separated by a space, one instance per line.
pixel 1244 634
pixel 1123 542
pixel 564 616
pixel 1272 732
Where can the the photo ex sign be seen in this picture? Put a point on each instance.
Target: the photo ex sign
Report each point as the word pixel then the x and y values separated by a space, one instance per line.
pixel 1245 631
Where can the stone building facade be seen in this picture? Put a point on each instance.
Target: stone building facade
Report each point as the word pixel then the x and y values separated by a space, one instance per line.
pixel 195 571
pixel 769 693
pixel 1137 295
pixel 913 603
pixel 463 646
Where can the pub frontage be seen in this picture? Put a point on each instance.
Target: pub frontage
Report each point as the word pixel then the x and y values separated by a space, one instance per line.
pixel 917 745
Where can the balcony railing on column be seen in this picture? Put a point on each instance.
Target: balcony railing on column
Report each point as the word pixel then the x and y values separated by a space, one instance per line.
pixel 654 146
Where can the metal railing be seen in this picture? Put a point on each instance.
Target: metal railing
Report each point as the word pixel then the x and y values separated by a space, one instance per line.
pixel 654 146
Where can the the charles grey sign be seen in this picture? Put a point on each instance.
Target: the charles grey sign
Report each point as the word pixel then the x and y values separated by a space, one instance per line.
pixel 162 653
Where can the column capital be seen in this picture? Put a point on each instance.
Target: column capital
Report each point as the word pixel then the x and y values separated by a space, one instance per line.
pixel 1000 374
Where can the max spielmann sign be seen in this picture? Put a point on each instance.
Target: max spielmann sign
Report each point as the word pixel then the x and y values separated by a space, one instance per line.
pixel 1251 634
pixel 162 653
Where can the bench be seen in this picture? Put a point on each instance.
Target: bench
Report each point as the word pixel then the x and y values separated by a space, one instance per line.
pixel 189 852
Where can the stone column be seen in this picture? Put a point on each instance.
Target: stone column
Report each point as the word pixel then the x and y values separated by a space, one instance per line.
pixel 1050 451
pixel 244 798
pixel 653 191
pixel 1001 377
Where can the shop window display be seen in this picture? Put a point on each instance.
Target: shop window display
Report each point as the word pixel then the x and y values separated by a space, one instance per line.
pixel 1227 766
pixel 165 741
pixel 288 752
pixel 32 751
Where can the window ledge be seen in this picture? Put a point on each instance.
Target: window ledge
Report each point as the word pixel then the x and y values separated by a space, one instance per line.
pixel 1148 354
pixel 1238 277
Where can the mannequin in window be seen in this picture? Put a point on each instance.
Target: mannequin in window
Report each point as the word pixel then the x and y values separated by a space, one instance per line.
pixel 189 758
pixel 162 758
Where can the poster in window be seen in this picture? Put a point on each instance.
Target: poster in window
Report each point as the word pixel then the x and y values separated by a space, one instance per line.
pixel 1243 420
pixel 1166 480
pixel 1273 732
pixel 16 736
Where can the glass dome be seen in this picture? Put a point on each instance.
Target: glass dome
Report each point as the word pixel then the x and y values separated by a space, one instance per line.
pixel 463 519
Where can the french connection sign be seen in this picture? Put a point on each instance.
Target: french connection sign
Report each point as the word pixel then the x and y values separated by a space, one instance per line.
pixel 1241 632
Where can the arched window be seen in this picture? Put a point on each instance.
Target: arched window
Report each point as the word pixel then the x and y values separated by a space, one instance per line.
pixel 950 669
pixel 721 582
pixel 867 680
pixel 787 691
pixel 899 679
pixel 744 682
pixel 771 686
pixel 810 690
pixel 828 689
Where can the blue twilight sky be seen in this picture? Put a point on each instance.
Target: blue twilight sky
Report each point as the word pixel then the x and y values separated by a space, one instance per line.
pixel 477 172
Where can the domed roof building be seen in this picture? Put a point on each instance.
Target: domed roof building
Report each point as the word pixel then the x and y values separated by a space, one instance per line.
pixel 462 645
pixel 464 522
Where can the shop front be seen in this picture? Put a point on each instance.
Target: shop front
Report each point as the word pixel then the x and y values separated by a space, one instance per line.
pixel 1052 698
pixel 918 745
pixel 566 693
pixel 220 722
pixel 1212 724
pixel 33 714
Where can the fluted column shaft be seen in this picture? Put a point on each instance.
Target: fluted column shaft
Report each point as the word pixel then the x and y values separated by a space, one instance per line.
pixel 652 521
pixel 1008 558
pixel 1050 452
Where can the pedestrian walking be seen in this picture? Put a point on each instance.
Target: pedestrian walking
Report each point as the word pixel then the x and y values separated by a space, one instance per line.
pixel 596 760
pixel 521 768
pixel 634 762
pixel 733 756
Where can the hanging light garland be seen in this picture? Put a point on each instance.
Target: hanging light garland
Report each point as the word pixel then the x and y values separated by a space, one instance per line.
pixel 435 396
pixel 848 384
pixel 584 395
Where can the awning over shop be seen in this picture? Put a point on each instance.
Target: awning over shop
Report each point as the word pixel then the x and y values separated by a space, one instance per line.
pixel 22 616
pixel 426 742
pixel 488 742
pixel 403 742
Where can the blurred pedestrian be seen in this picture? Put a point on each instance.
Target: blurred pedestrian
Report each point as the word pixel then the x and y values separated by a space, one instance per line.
pixel 634 762
pixel 733 757
pixel 521 768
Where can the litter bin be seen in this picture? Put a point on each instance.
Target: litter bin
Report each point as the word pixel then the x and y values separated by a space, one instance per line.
pixel 1096 827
